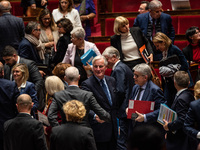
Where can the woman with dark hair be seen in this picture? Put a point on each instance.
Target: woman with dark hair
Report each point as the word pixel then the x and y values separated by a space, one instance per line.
pixel 49 33
pixel 66 10
pixel 64 27
pixel 87 12
pixel 192 51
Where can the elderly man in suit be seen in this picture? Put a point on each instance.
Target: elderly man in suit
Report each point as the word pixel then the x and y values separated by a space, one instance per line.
pixel 8 96
pixel 74 92
pixel 103 88
pixel 155 21
pixel 24 132
pixel 176 138
pixel 124 84
pixel 11 58
pixel 11 27
pixel 146 90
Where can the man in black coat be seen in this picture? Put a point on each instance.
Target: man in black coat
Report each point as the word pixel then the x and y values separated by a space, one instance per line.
pixel 11 58
pixel 24 132
pixel 8 96
pixel 124 84
pixel 103 88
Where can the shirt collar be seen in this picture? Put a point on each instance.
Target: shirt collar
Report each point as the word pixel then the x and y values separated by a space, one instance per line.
pixel 18 59
pixel 144 86
pixel 115 65
pixel 23 85
pixel 100 79
pixel 179 92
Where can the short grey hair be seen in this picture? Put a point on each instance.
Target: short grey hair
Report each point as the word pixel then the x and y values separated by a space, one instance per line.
pixel 144 69
pixel 72 73
pixel 98 58
pixel 78 32
pixel 31 26
pixel 155 4
pixel 110 51
pixel 53 84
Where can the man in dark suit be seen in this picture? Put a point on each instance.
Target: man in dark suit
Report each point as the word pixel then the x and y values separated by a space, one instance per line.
pixel 11 27
pixel 192 123
pixel 72 135
pixel 103 88
pixel 146 90
pixel 11 58
pixel 74 92
pixel 176 138
pixel 24 132
pixel 124 84
pixel 8 96
pixel 155 21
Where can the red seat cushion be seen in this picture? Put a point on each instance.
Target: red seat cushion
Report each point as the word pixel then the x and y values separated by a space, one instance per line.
pixel 102 46
pixel 181 44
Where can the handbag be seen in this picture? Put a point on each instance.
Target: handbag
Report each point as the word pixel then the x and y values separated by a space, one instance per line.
pixel 169 60
pixel 155 79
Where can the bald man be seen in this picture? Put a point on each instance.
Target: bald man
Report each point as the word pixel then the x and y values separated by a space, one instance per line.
pixel 24 132
pixel 11 27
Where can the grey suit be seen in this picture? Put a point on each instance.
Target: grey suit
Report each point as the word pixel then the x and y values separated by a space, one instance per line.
pixel 11 29
pixel 34 77
pixel 71 93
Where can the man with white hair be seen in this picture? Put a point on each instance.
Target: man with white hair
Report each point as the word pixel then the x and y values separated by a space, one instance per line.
pixel 11 27
pixel 124 84
pixel 74 92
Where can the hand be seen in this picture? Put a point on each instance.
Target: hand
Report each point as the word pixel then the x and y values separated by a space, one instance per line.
pixel 150 58
pixel 33 6
pixel 98 119
pixel 49 44
pixel 87 67
pixel 165 126
pixel 42 73
pixel 84 17
pixel 140 117
pixel 127 111
pixel 45 132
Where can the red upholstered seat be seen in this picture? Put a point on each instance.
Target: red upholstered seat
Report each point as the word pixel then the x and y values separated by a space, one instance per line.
pixel 102 46
pixel 109 24
pixel 52 5
pixel 184 22
pixel 16 10
pixel 181 44
pixel 175 23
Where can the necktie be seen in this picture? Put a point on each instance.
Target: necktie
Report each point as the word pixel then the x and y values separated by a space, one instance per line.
pixel 154 28
pixel 106 91
pixel 139 93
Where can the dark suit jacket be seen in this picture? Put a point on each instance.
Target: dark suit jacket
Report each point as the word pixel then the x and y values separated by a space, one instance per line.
pixel 61 47
pixel 151 93
pixel 103 132
pixel 180 106
pixel 72 136
pixel 27 50
pixel 124 85
pixel 192 120
pixel 34 77
pixel 24 132
pixel 188 52
pixel 12 31
pixel 8 96
pixel 137 35
pixel 165 22
pixel 71 93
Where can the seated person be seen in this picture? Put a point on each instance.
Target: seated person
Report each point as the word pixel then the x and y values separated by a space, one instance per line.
pixel 31 47
pixel 72 135
pixel 191 52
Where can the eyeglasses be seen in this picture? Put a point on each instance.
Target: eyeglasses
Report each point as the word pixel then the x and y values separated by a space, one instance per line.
pixel 137 75
pixel 37 29
pixel 64 2
pixel 46 19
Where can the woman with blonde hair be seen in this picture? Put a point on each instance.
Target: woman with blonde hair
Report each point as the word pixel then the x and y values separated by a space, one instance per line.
pixel 197 90
pixel 72 135
pixel 20 75
pixel 128 41
pixel 164 44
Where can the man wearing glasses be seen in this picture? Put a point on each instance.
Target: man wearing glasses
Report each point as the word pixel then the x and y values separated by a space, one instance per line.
pixel 155 21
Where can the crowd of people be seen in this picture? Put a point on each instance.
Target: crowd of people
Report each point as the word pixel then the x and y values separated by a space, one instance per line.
pixel 78 106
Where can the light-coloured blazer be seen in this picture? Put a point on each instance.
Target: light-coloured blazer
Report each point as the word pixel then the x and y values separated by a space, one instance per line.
pixel 71 52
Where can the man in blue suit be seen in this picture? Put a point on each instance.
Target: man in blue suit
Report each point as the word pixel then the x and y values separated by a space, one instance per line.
pixel 146 90
pixel 155 21
pixel 103 88
pixel 124 84
pixel 8 96
pixel 11 27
